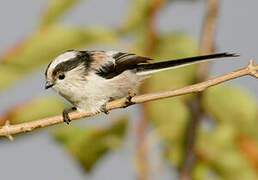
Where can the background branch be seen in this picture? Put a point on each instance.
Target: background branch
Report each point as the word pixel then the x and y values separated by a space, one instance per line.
pixel 207 46
pixel 251 70
pixel 152 36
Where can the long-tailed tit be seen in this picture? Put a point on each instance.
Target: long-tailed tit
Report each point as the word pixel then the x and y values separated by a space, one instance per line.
pixel 90 79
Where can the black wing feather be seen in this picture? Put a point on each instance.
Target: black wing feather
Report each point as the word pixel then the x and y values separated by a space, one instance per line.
pixel 123 62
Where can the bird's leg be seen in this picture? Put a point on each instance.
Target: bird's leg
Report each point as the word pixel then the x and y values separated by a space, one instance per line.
pixel 103 108
pixel 128 102
pixel 66 115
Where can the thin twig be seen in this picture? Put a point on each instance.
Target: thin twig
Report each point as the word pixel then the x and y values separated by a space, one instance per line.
pixel 142 126
pixel 251 70
pixel 207 46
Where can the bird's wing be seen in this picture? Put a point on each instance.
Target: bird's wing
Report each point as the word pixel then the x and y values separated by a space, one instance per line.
pixel 113 63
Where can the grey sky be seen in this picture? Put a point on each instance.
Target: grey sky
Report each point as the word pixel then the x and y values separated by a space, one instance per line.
pixel 37 156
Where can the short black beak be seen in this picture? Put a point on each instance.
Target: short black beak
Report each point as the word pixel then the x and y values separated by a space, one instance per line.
pixel 48 85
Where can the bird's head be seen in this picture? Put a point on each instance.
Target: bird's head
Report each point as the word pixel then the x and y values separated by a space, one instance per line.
pixel 67 70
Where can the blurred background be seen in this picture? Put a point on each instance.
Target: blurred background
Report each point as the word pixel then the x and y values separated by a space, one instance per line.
pixel 209 136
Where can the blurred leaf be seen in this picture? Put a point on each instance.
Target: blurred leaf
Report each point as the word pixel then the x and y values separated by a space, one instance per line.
pixel 232 105
pixel 214 141
pixel 203 171
pixel 217 148
pixel 174 153
pixel 230 165
pixel 45 45
pixel 173 46
pixel 38 108
pixel 89 145
pixel 137 15
pixel 55 9
pixel 249 149
pixel 170 116
pixel 235 112
pixel 164 114
pixel 184 0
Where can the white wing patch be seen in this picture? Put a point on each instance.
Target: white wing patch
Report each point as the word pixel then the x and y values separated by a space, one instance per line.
pixel 111 53
pixel 110 59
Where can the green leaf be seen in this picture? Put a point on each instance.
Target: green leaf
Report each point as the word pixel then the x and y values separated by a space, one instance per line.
pixel 184 0
pixel 38 108
pixel 164 114
pixel 171 116
pixel 203 171
pixel 173 46
pixel 235 112
pixel 232 105
pixel 168 47
pixel 214 141
pixel 45 45
pixel 137 15
pixel 167 112
pixel 230 165
pixel 217 147
pixel 55 9
pixel 174 153
pixel 89 145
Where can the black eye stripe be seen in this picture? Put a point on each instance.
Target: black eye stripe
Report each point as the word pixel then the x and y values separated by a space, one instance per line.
pixel 81 58
pixel 47 68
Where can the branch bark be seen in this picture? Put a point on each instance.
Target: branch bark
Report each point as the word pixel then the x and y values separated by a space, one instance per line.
pixel 251 70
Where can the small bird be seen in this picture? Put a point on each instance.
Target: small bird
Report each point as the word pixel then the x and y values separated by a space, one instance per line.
pixel 90 79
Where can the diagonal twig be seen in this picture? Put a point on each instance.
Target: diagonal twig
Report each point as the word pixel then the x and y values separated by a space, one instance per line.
pixel 251 69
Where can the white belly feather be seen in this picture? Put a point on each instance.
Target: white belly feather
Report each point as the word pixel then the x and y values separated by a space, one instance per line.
pixel 97 90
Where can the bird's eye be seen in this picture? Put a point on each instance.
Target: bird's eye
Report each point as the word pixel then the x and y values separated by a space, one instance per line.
pixel 61 76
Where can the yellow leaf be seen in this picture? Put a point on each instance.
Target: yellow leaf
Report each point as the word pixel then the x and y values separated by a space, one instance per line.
pixel 89 145
pixel 55 9
pixel 45 45
pixel 38 108
pixel 232 105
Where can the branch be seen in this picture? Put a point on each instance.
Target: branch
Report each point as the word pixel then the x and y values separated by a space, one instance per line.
pixel 152 35
pixel 251 70
pixel 207 46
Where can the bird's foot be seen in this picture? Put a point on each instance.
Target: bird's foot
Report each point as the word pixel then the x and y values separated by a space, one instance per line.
pixel 66 117
pixel 104 109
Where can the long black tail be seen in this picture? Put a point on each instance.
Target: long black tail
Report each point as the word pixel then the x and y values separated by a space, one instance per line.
pixel 144 69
